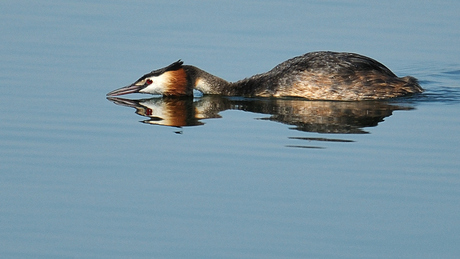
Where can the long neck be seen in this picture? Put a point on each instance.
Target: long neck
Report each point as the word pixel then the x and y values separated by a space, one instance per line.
pixel 211 84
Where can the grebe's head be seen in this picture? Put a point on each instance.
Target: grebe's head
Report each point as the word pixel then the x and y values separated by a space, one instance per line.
pixel 168 81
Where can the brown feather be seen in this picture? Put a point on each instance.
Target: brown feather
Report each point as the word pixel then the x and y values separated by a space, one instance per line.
pixel 177 83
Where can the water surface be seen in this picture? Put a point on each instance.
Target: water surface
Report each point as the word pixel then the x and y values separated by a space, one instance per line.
pixel 214 177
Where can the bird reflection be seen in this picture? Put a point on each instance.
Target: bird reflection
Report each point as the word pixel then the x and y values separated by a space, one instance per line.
pixel 302 115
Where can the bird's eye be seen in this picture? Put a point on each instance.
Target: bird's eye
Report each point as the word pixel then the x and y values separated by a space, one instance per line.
pixel 148 81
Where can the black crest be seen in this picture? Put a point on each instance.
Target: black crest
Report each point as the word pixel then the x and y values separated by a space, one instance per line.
pixel 174 66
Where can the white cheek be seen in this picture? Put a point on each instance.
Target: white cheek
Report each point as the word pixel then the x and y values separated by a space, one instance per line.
pixel 157 86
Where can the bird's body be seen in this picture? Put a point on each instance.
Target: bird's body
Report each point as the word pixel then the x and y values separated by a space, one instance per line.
pixel 316 75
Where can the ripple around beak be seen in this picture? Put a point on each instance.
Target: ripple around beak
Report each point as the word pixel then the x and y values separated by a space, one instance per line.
pixel 126 90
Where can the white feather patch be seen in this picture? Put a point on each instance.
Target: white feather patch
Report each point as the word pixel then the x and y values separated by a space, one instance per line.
pixel 158 85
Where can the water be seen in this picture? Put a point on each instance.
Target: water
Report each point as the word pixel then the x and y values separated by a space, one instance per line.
pixel 84 177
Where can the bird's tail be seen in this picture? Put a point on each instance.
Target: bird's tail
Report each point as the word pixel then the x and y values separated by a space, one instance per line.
pixel 412 85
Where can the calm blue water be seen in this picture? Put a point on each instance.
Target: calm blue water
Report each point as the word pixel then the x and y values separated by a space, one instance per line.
pixel 84 177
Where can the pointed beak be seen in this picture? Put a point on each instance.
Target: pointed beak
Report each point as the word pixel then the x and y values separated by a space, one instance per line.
pixel 126 90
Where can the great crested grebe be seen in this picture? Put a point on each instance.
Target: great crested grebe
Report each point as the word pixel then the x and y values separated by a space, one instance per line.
pixel 320 75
